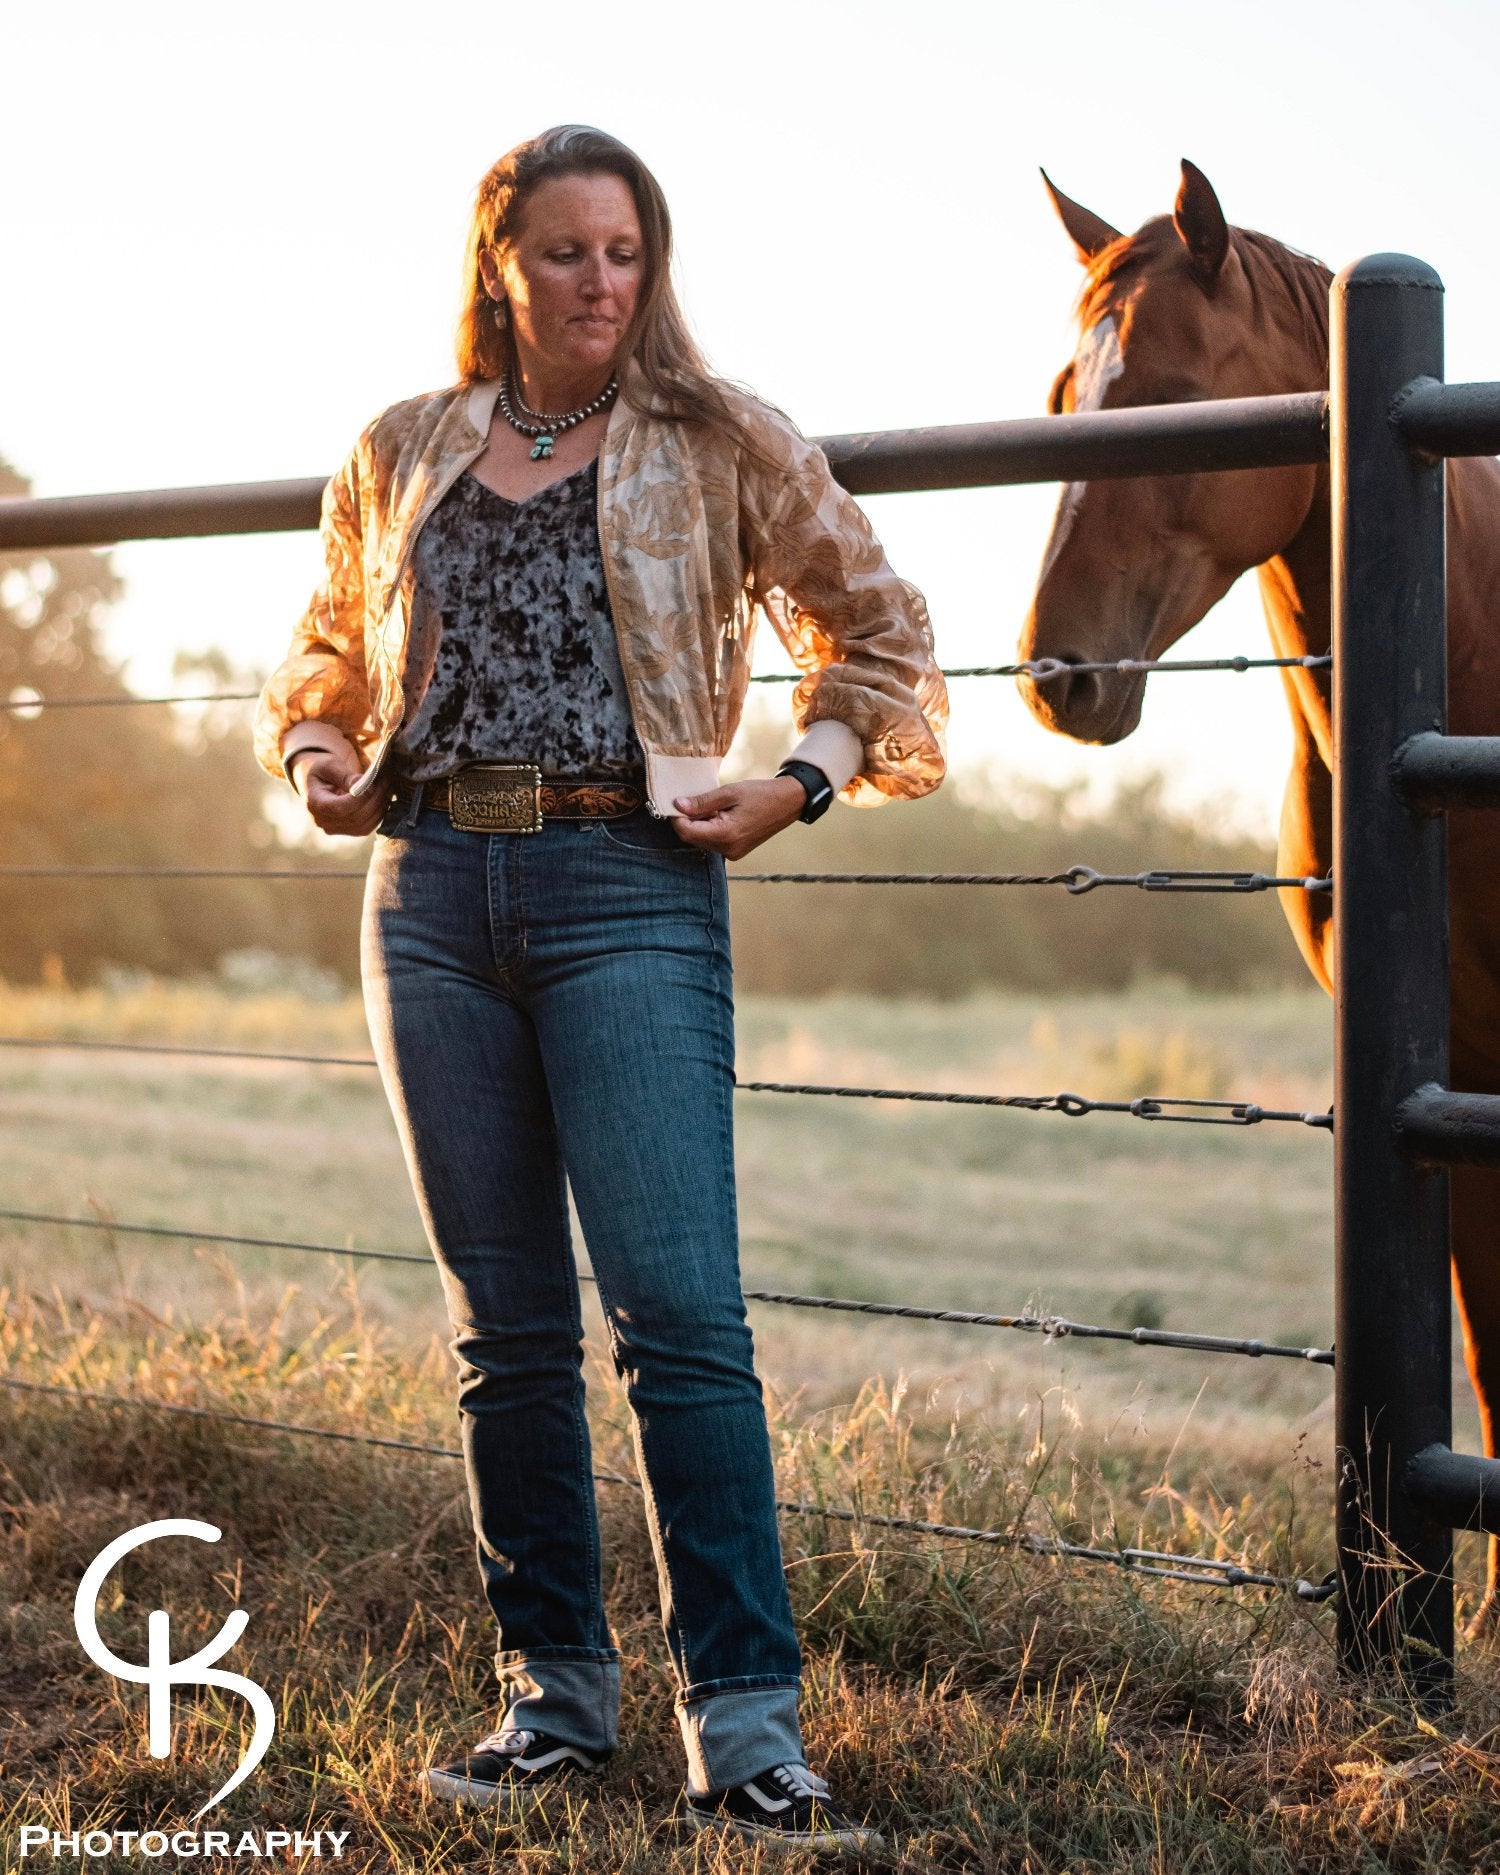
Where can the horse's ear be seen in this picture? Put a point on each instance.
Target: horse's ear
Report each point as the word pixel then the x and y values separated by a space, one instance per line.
pixel 1091 234
pixel 1200 222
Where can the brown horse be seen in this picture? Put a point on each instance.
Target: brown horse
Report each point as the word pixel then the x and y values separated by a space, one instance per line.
pixel 1186 308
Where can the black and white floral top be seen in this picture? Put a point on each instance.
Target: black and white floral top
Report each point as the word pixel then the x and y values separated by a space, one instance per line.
pixel 525 662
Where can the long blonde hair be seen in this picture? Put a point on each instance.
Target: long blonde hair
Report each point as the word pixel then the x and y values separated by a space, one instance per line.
pixel 659 342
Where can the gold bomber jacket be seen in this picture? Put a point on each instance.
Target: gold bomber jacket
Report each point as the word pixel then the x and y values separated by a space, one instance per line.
pixel 696 533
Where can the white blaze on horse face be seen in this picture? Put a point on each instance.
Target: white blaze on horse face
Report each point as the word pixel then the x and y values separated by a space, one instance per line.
pixel 1096 364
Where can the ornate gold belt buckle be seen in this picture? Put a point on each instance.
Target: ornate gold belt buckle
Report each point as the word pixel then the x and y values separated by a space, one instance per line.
pixel 496 797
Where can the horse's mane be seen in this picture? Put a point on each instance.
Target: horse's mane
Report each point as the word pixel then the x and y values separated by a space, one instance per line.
pixel 1282 279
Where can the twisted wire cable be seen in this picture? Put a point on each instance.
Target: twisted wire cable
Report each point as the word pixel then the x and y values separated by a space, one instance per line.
pixel 1207 1571
pixel 1046 670
pixel 1039 670
pixel 1050 1327
pixel 1076 880
pixel 1145 1107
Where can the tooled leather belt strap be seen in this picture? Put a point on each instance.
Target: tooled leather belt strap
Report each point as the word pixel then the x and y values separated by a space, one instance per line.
pixel 491 797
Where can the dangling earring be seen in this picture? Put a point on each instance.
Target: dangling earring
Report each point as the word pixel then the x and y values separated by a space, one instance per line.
pixel 501 314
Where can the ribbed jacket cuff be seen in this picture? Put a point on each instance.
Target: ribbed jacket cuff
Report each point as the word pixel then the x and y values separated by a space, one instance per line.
pixel 833 747
pixel 311 734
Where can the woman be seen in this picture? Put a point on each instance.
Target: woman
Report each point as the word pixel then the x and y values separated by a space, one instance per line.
pixel 523 668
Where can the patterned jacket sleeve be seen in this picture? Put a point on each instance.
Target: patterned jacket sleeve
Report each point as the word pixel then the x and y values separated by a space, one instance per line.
pixel 322 679
pixel 860 635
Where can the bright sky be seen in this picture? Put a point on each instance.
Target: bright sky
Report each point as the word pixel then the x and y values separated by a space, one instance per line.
pixel 230 237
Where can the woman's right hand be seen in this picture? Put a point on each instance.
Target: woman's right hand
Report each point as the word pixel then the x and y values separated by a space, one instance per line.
pixel 323 778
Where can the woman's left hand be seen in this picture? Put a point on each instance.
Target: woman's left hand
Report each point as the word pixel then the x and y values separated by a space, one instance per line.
pixel 735 819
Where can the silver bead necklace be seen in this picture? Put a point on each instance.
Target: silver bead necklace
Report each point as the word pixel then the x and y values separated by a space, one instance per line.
pixel 547 429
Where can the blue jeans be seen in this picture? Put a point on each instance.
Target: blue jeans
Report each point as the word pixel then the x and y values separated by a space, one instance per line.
pixel 557 1006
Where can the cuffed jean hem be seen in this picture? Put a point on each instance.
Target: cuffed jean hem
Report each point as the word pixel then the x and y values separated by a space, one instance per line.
pixel 730 1732
pixel 571 1695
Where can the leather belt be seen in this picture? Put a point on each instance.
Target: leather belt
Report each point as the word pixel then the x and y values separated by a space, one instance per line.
pixel 515 797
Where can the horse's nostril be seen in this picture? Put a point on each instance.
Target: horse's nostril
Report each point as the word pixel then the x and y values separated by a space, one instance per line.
pixel 1098 704
pixel 1074 700
pixel 1079 693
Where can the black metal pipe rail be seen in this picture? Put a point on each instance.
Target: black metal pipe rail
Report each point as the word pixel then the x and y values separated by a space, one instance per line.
pixel 1393 1384
pixel 32 522
pixel 1157 439
pixel 1432 772
pixel 1154 439
pixel 1401 1489
pixel 1456 1489
pixel 1434 1126
pixel 1450 419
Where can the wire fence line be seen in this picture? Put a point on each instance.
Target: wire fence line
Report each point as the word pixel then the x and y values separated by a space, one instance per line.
pixel 174 1048
pixel 1040 670
pixel 1047 670
pixel 1076 880
pixel 1061 1327
pixel 24 703
pixel 1205 1571
pixel 1145 1107
pixel 1050 1327
pixel 181 872
pixel 1044 670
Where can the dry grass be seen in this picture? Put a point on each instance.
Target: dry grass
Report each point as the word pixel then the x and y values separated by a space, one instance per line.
pixel 996 1712
pixel 993 1711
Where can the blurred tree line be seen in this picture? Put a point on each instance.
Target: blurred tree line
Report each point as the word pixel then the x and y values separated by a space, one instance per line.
pixel 141 785
pixel 948 940
pixel 131 785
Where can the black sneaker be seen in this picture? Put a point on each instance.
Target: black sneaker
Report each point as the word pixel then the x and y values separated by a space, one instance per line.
pixel 785 1806
pixel 512 1767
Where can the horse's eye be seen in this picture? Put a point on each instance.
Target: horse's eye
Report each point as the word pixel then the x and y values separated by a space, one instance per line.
pixel 1059 386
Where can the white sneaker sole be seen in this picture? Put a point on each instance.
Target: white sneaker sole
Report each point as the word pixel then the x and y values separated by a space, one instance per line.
pixel 523 1794
pixel 831 1842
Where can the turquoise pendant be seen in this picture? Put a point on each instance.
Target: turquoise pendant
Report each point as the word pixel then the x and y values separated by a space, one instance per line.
pixel 543 449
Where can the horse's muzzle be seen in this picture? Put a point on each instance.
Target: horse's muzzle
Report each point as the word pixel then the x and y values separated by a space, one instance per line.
pixel 1089 706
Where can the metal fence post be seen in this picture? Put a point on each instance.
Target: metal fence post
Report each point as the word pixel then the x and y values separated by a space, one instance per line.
pixel 1392 1309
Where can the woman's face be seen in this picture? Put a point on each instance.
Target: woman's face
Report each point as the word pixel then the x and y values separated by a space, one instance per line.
pixel 573 274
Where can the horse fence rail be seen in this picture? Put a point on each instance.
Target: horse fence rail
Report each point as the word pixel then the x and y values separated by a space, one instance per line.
pixel 1166 439
pixel 1384 430
pixel 1393 423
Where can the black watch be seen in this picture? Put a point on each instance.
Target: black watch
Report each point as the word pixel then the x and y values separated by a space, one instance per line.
pixel 819 788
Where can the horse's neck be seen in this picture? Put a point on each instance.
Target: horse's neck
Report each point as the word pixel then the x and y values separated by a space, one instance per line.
pixel 1296 589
